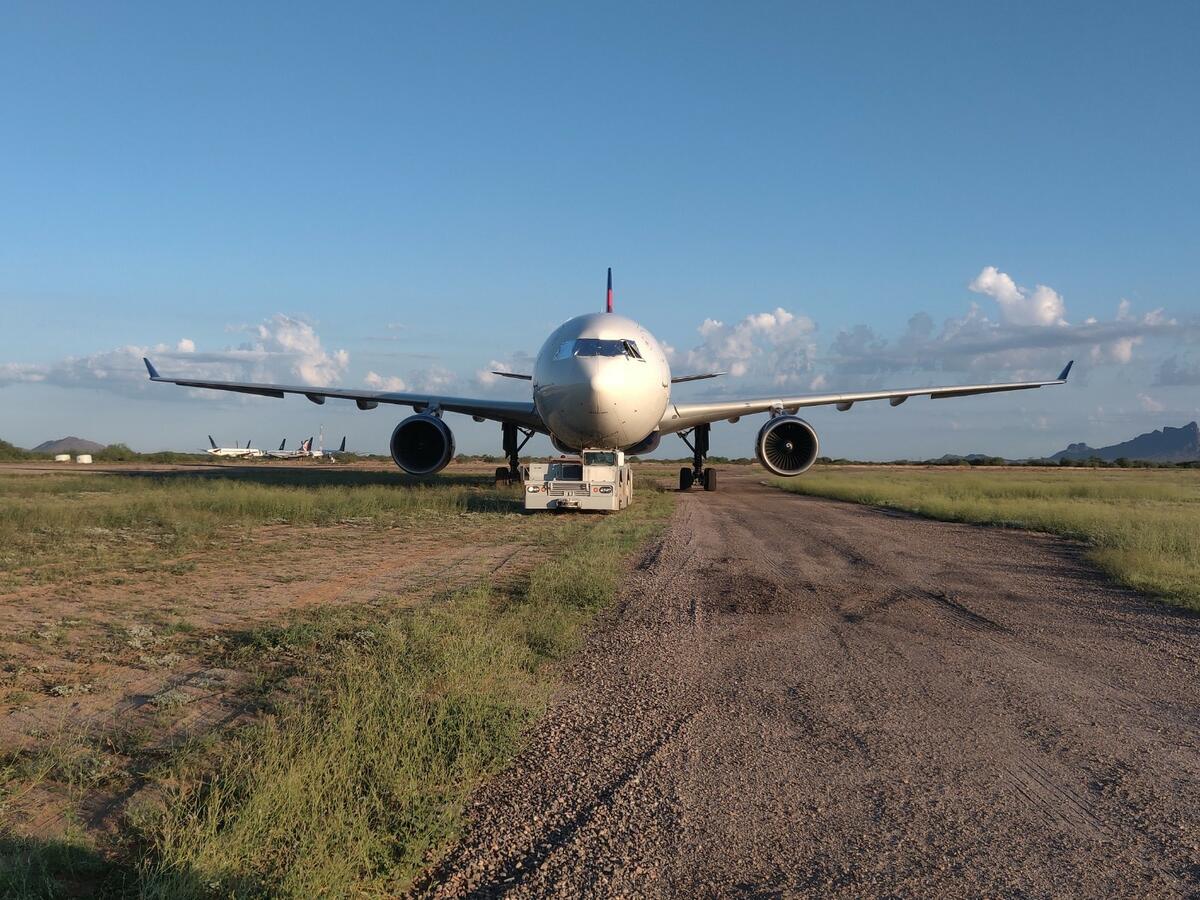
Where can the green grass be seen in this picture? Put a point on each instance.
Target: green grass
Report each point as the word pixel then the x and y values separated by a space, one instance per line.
pixel 1142 525
pixel 54 526
pixel 351 790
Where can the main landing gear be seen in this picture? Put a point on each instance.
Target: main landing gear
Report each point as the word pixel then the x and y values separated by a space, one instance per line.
pixel 513 473
pixel 697 474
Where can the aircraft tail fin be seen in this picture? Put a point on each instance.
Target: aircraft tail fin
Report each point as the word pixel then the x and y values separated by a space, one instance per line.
pixel 342 448
pixel 281 443
pixel 609 304
pixel 212 442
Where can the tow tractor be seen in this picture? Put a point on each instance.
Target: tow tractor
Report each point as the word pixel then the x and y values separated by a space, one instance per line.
pixel 595 479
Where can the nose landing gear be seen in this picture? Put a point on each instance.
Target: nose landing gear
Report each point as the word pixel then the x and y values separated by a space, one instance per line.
pixel 698 473
pixel 513 474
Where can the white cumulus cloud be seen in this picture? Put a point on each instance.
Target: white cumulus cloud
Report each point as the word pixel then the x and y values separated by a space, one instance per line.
pixel 282 348
pixel 285 336
pixel 488 378
pixel 1020 306
pixel 1149 404
pixel 775 348
pixel 384 383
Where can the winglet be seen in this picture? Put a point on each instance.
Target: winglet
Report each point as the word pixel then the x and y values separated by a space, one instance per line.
pixel 150 368
pixel 1062 376
pixel 609 309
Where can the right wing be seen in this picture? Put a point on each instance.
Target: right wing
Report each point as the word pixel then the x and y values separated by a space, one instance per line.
pixel 497 410
pixel 681 416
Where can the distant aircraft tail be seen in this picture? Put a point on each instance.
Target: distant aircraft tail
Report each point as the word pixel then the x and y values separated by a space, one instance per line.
pixel 609 305
pixel 281 443
pixel 211 441
pixel 342 448
pixel 306 447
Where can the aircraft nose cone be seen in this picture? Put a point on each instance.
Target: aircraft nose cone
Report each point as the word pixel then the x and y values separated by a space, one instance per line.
pixel 603 390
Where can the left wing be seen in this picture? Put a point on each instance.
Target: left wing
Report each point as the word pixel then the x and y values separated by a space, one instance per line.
pixel 681 416
pixel 497 410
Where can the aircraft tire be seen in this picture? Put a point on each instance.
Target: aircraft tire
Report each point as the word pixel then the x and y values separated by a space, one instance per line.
pixel 685 479
pixel 710 479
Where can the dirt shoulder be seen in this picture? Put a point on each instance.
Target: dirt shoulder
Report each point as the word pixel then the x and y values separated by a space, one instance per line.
pixel 104 671
pixel 804 696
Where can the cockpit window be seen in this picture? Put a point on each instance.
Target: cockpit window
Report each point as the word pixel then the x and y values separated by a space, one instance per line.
pixel 597 347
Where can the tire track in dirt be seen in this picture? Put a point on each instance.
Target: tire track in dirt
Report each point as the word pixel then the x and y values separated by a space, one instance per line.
pixel 799 696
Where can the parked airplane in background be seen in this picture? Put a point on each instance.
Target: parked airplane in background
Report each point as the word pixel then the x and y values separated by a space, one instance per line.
pixel 321 452
pixel 304 450
pixel 602 382
pixel 235 451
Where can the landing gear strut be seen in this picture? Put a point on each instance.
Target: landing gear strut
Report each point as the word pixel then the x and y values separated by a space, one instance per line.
pixel 697 474
pixel 513 474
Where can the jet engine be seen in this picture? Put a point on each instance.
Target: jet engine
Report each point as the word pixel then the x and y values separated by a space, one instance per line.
pixel 786 445
pixel 422 444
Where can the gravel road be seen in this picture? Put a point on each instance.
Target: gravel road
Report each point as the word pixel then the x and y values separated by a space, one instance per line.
pixel 803 697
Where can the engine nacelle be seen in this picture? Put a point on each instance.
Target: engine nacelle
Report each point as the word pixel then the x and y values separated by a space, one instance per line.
pixel 422 444
pixel 786 445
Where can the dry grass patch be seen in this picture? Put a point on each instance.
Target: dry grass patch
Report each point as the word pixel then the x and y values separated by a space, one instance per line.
pixel 54 527
pixel 1142 525
pixel 352 789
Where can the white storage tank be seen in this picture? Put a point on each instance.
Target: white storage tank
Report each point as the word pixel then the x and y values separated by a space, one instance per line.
pixel 62 457
pixel 84 458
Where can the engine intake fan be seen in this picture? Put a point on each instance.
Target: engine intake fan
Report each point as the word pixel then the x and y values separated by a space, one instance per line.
pixel 786 445
pixel 422 444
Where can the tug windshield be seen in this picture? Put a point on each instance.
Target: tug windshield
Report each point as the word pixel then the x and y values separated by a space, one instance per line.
pixel 565 471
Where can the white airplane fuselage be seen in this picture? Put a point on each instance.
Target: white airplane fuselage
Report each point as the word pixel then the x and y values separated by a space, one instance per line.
pixel 601 381
pixel 235 452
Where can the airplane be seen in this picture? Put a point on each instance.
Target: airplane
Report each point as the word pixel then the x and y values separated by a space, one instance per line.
pixel 235 451
pixel 304 450
pixel 321 453
pixel 602 382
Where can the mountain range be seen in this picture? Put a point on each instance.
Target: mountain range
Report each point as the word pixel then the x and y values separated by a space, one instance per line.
pixel 1165 445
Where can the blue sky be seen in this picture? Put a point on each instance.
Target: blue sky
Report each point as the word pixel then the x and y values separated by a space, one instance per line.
pixel 408 195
